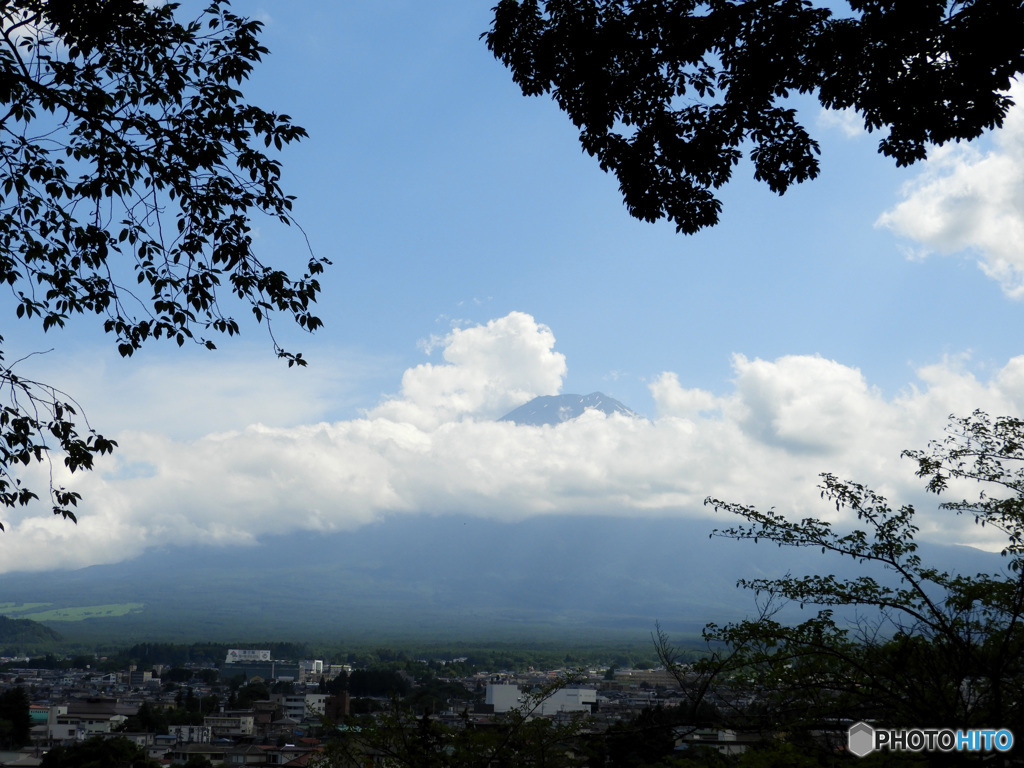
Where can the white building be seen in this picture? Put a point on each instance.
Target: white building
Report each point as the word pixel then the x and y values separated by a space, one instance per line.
pixel 299 706
pixel 504 697
pixel 312 667
pixel 79 720
pixel 246 655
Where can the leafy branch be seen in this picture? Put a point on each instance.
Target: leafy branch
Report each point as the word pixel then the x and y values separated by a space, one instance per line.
pixel 131 168
pixel 926 645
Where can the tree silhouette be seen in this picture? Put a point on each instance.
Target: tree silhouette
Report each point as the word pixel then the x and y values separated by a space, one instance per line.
pixel 15 717
pixel 130 171
pixel 668 94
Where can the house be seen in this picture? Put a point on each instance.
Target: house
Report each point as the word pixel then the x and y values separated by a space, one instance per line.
pixel 300 706
pixel 727 742
pixel 231 723
pixel 212 752
pixel 248 754
pixel 80 719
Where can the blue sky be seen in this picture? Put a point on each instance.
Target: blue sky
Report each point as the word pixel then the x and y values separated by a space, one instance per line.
pixel 443 195
pixel 481 259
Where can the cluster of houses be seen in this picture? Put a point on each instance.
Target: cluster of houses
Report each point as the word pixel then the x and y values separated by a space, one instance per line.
pixel 285 729
pixel 272 732
pixel 70 706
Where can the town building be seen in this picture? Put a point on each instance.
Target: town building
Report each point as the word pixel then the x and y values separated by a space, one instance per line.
pixel 504 697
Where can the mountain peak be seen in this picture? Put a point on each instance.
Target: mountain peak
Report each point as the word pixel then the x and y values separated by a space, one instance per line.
pixel 554 409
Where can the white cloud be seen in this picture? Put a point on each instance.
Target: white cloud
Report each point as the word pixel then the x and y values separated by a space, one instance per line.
pixel 967 200
pixel 672 399
pixel 848 121
pixel 801 402
pixel 488 371
pixel 434 449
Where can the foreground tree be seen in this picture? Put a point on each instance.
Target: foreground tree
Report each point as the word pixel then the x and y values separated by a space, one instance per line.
pixel 931 648
pixel 99 752
pixel 667 93
pixel 404 738
pixel 130 170
pixel 15 718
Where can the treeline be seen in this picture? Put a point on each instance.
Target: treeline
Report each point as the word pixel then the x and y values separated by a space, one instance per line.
pixel 458 660
pixel 371 682
pixel 58 661
pixel 201 654
pixel 419 663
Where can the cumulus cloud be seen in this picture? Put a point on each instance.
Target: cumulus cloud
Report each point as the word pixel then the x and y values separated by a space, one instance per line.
pixel 967 200
pixel 673 399
pixel 488 371
pixel 435 449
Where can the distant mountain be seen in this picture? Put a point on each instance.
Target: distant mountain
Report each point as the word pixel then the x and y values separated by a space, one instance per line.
pixel 449 577
pixel 554 409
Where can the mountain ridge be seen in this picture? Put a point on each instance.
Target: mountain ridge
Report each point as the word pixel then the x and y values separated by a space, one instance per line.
pixel 551 410
pixel 442 577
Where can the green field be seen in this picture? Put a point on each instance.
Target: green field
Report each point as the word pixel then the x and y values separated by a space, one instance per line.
pixel 74 613
pixel 18 610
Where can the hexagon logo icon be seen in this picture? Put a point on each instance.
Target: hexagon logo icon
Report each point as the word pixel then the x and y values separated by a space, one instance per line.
pixel 861 739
